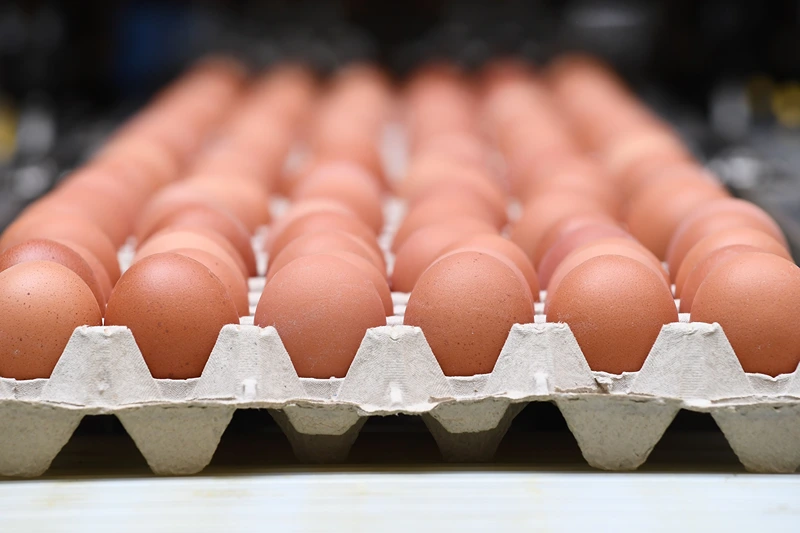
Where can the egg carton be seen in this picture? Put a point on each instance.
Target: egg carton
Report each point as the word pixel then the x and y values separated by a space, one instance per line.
pixel 616 419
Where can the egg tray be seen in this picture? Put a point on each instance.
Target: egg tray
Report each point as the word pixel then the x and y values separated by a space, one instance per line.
pixel 616 419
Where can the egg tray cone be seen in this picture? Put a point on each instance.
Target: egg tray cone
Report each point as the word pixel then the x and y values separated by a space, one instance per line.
pixel 616 419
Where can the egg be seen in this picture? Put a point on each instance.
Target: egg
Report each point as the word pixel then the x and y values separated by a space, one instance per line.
pixel 438 210
pixel 214 219
pixel 167 202
pixel 302 208
pixel 41 304
pixel 173 238
pixel 241 196
pixel 657 210
pixel 615 307
pixel 157 165
pixel 348 184
pixel 425 245
pixel 609 246
pixel 706 265
pixel 323 343
pixel 63 226
pixel 227 274
pixel 722 239
pixel 569 224
pixel 539 215
pixel 457 192
pixel 323 221
pixel 345 141
pixel 175 307
pixel 94 263
pixel 325 242
pixel 47 250
pixel 572 240
pixel 754 296
pixel 716 216
pixel 501 245
pixel 465 305
pixel 377 277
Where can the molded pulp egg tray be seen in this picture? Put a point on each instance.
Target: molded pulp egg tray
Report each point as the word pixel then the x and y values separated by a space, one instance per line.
pixel 616 419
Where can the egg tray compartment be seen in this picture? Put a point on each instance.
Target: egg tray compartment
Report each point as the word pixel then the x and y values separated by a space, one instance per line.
pixel 616 420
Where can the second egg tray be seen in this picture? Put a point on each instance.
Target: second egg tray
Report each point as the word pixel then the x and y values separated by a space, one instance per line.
pixel 616 419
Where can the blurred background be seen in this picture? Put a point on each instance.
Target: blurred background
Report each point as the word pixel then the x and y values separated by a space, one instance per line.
pixel 725 74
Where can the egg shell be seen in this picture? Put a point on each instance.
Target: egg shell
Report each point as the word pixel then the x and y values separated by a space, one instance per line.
pixel 94 263
pixel 377 277
pixel 214 219
pixel 321 306
pixel 568 224
pixel 572 240
pixel 615 307
pixel 65 226
pixel 639 172
pixel 175 307
pixel 609 246
pixel 323 221
pixel 721 239
pixel 41 304
pixel 234 282
pixel 657 211
pixel 461 146
pixel 437 210
pixel 764 332
pixel 503 246
pixel 700 272
pixel 345 141
pixel 427 244
pixel 174 238
pixel 424 173
pixel 619 156
pixel 348 184
pixel 158 165
pixel 539 215
pixel 324 242
pixel 47 250
pixel 466 304
pixel 456 191
pixel 301 208
pixel 167 202
pixel 716 216
pixel 218 238
pixel 241 196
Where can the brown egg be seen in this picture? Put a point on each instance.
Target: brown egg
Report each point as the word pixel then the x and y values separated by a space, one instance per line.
pixel 241 196
pixel 377 277
pixel 639 172
pixel 456 192
pixel 496 243
pixel 348 184
pixel 611 246
pixel 427 244
pixel 763 333
pixel 709 263
pixel 47 250
pixel 100 274
pixel 158 165
pixel 219 240
pixel 615 307
pixel 462 146
pixel 41 304
pixel 347 141
pixel 540 214
pixel 302 208
pixel 214 219
pixel 171 239
pixel 323 242
pixel 466 304
pixel 716 216
pixel 721 239
pixel 229 276
pixel 63 226
pixel 572 240
pixel 620 155
pixel 167 202
pixel 437 210
pixel 323 221
pixel 568 224
pixel 346 304
pixel 657 210
pixel 425 173
pixel 577 175
pixel 175 307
